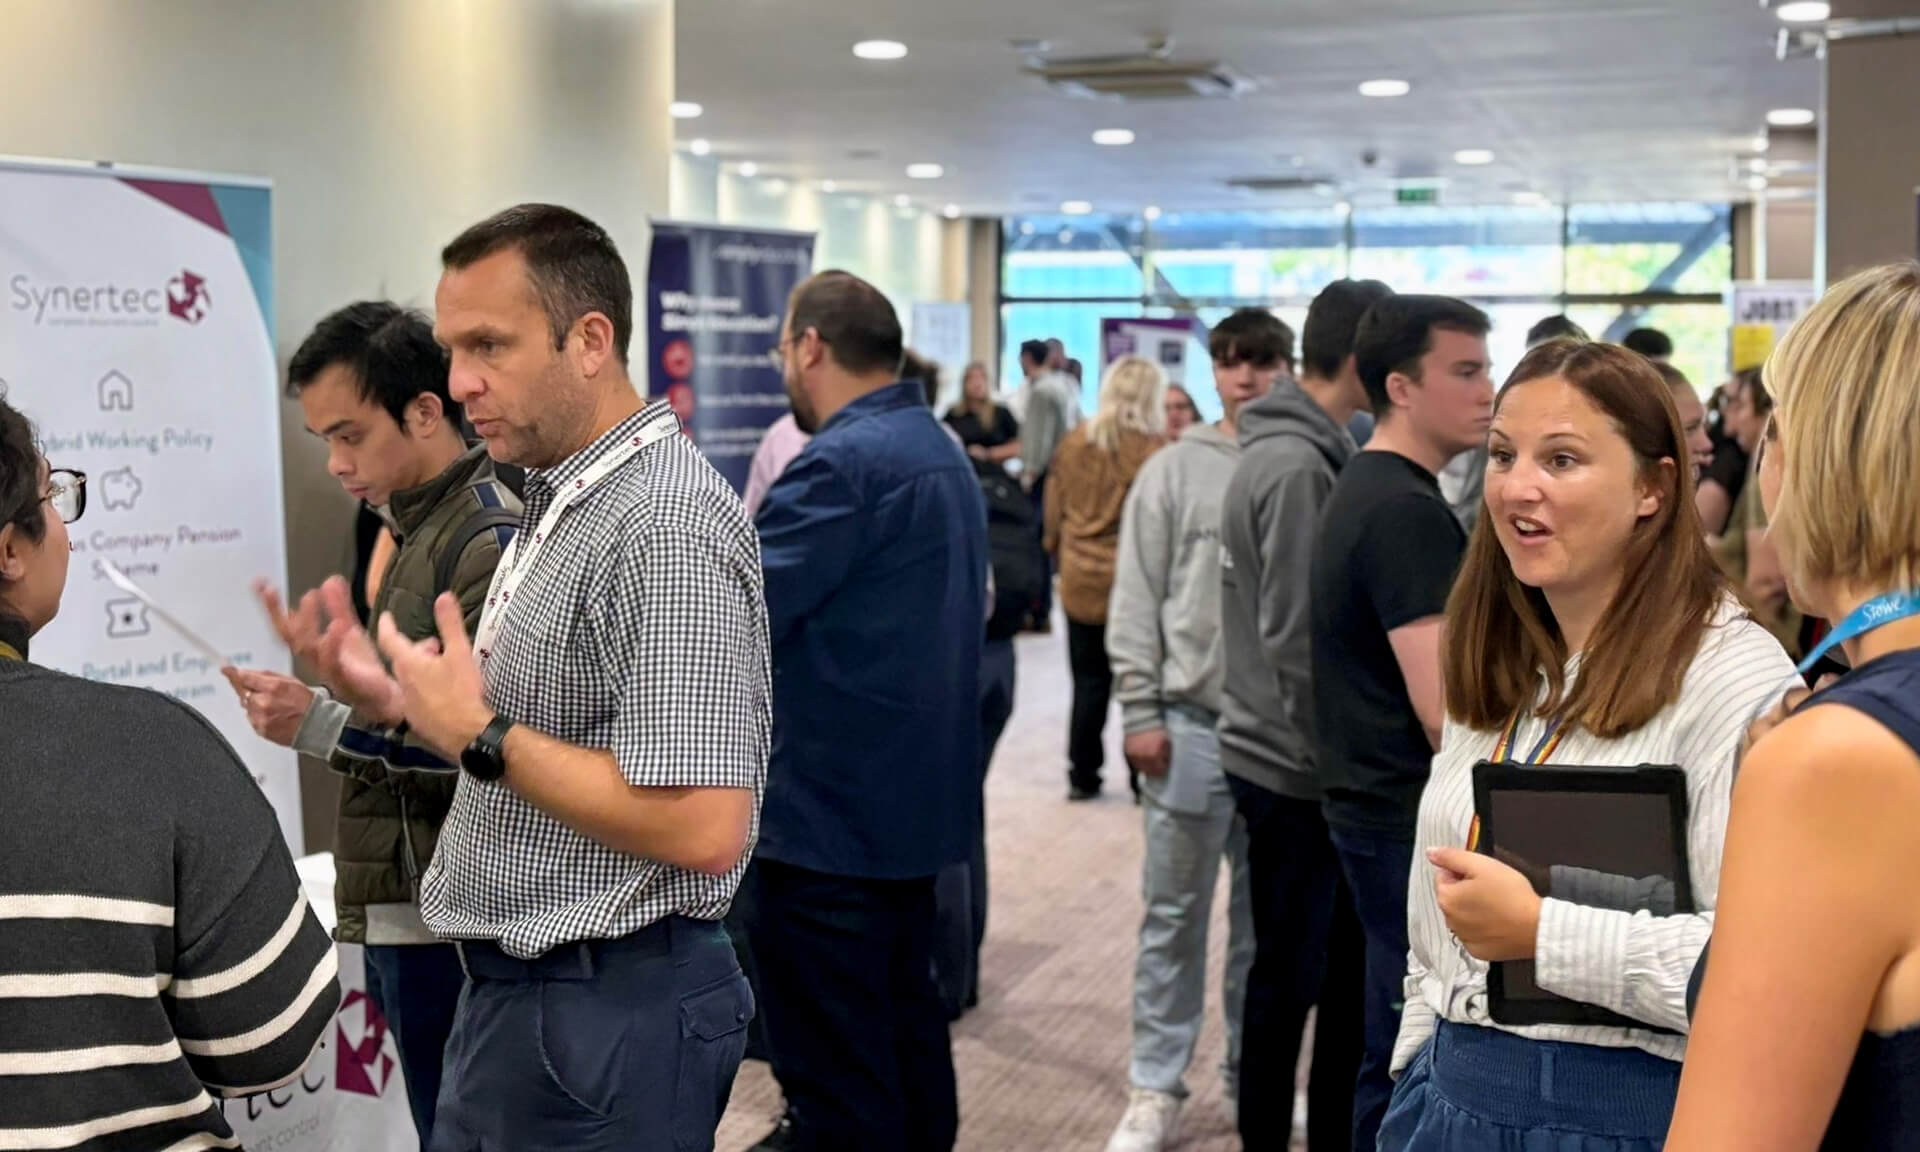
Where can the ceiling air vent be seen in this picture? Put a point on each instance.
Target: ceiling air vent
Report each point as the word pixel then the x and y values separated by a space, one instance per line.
pixel 1152 75
pixel 1268 185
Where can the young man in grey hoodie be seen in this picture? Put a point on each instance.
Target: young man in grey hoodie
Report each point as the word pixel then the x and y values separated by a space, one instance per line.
pixel 1308 947
pixel 1163 636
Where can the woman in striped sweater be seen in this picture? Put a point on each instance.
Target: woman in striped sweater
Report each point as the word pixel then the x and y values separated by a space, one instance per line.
pixel 1589 626
pixel 156 950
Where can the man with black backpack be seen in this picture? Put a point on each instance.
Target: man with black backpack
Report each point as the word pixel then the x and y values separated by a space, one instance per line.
pixel 372 384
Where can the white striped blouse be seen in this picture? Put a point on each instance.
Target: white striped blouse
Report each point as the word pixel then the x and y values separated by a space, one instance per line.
pixel 1635 964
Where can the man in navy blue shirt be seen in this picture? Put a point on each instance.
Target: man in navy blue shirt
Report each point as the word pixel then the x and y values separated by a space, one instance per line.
pixel 875 550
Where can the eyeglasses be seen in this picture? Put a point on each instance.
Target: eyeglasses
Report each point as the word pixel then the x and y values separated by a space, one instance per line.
pixel 67 493
pixel 777 355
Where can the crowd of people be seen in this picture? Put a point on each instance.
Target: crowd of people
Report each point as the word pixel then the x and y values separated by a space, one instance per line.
pixel 639 776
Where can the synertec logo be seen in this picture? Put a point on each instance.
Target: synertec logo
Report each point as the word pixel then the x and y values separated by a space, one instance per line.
pixel 109 304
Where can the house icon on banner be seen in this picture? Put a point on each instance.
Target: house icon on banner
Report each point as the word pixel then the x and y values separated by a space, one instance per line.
pixel 116 392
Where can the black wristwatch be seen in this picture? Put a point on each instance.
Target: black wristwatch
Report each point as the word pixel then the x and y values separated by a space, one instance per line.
pixel 486 757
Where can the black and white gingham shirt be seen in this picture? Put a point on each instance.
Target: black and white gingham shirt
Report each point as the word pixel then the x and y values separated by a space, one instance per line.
pixel 640 629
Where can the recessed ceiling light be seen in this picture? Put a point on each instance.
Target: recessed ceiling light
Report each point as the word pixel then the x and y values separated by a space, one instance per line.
pixel 925 171
pixel 1473 157
pixel 1076 207
pixel 1151 212
pixel 880 50
pixel 1113 137
pixel 951 211
pixel 1760 143
pixel 1026 227
pixel 1757 183
pixel 700 147
pixel 829 186
pixel 749 169
pixel 1804 11
pixel 1343 209
pixel 685 110
pixel 1790 117
pixel 903 201
pixel 1385 89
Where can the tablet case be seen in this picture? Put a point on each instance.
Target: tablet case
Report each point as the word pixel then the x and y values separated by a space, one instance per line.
pixel 1513 997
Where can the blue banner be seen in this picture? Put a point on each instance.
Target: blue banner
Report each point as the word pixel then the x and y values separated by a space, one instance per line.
pixel 716 297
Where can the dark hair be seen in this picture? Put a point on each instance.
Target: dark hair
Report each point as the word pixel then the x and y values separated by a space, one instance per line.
pixel 1676 379
pixel 574 266
pixel 1251 336
pixel 1753 386
pixel 1034 351
pixel 1332 320
pixel 854 319
pixel 1398 330
pixel 390 351
pixel 1649 342
pixel 914 366
pixel 20 473
pixel 1075 369
pixel 1555 328
pixel 1501 635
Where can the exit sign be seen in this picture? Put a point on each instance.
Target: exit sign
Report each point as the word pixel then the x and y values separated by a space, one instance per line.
pixel 1417 194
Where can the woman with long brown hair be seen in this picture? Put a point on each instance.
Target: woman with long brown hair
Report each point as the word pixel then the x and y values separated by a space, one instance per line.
pixel 1590 626
pixel 1808 1033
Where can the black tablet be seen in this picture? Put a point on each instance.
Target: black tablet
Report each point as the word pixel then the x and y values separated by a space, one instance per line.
pixel 1603 837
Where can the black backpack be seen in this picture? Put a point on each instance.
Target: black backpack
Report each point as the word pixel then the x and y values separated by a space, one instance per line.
pixel 1013 545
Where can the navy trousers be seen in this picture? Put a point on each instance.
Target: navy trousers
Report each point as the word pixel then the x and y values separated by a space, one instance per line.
pixel 858 1031
pixel 625 1045
pixel 1377 867
pixel 417 987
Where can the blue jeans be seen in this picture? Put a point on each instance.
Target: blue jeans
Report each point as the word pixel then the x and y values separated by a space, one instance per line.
pixel 1474 1089
pixel 417 987
pixel 625 1045
pixel 1377 866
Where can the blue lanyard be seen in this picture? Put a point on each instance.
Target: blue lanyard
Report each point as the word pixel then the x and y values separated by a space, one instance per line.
pixel 1875 613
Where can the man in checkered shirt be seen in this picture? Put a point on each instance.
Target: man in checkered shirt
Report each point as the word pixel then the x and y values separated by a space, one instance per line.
pixel 613 731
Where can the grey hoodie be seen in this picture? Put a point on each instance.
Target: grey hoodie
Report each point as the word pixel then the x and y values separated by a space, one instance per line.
pixel 1163 620
pixel 1291 450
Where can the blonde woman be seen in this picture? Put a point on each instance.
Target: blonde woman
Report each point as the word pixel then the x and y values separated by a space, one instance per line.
pixel 987 429
pixel 1089 480
pixel 1808 1027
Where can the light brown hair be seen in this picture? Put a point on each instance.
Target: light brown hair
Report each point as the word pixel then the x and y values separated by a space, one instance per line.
pixel 1501 634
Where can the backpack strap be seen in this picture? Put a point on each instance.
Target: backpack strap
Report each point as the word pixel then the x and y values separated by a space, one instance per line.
pixel 492 515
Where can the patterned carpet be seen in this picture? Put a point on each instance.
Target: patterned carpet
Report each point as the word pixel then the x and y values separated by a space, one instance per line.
pixel 1043 1061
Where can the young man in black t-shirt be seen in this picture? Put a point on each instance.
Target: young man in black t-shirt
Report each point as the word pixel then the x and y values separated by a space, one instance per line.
pixel 1383 564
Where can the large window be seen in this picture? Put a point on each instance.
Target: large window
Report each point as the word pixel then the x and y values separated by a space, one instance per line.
pixel 1611 267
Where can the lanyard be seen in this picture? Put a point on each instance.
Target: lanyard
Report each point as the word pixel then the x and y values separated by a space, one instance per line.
pixel 1875 613
pixel 1549 741
pixel 519 557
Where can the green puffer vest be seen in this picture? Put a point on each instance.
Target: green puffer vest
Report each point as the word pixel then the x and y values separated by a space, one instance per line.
pixel 389 822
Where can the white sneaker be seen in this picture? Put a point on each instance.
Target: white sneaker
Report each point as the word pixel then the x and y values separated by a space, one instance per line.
pixel 1151 1123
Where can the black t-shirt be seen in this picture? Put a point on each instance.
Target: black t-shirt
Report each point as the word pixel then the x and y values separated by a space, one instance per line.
pixel 1729 467
pixel 966 425
pixel 1384 557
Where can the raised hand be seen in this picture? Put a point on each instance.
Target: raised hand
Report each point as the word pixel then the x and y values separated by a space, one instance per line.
pixel 442 694
pixel 344 654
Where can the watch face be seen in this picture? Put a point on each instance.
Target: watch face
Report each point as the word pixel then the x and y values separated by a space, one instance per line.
pixel 483 759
